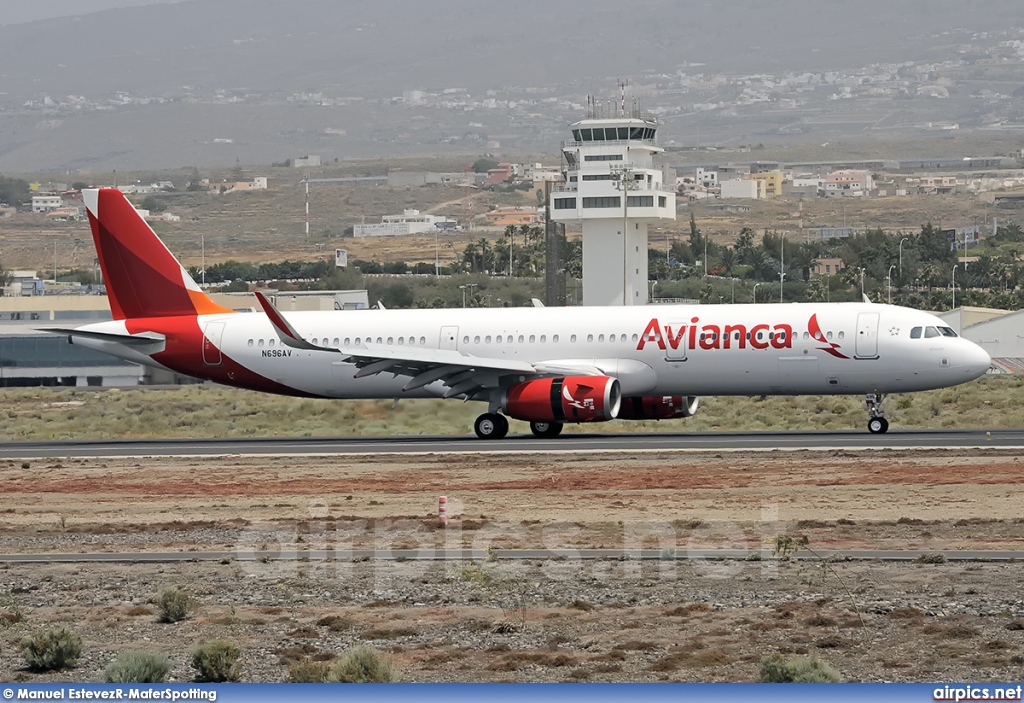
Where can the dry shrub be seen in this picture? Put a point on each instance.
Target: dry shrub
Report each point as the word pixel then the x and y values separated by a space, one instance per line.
pixel 50 650
pixel 335 623
pixel 217 661
pixel 777 669
pixel 137 610
pixel 173 605
pixel 380 633
pixel 906 613
pixel 362 664
pixel 138 666
pixel 307 671
pixel 819 621
pixel 581 605
pixel 637 646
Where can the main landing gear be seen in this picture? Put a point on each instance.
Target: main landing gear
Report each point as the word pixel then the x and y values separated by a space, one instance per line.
pixel 546 430
pixel 491 426
pixel 877 424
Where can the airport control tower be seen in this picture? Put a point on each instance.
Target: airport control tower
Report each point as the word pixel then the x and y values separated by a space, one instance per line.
pixel 612 185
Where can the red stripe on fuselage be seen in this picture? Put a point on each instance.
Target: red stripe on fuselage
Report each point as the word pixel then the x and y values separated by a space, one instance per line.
pixel 184 353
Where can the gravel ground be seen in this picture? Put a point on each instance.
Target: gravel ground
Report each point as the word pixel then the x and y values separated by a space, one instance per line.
pixel 557 620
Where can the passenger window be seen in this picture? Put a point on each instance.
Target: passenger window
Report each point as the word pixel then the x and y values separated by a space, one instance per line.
pixel 915 333
pixel 828 335
pixel 261 344
pixel 391 340
pixel 465 340
pixel 930 332
pixel 521 339
pixel 271 343
pixel 806 336
pixel 508 339
pixel 487 339
pixel 336 342
pixel 555 339
pixel 423 341
pixel 590 338
pixel 357 341
pixel 611 338
pixel 600 337
pixel 543 338
pixel 842 335
pixel 476 339
pixel 348 341
pixel 379 340
pixel 572 338
pixel 636 337
pixel 532 338
pixel 497 340
pixel 250 342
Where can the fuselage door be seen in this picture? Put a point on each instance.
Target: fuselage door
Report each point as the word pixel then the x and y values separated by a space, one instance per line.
pixel 449 337
pixel 675 341
pixel 867 335
pixel 213 333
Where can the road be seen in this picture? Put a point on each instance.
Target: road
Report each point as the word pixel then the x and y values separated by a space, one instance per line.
pixel 512 554
pixel 569 443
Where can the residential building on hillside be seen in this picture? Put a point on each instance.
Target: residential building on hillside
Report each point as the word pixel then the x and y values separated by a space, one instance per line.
pixel 847 183
pixel 46 203
pixel 409 222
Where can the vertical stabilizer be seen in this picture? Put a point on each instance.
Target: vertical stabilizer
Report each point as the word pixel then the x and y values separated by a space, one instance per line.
pixel 142 277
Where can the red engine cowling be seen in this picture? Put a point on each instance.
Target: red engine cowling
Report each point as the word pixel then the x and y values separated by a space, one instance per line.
pixel 568 399
pixel 658 407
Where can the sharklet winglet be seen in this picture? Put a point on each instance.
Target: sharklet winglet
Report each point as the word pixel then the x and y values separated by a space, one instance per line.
pixel 289 336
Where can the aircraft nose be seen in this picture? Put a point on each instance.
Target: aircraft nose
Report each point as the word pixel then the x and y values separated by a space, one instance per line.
pixel 976 361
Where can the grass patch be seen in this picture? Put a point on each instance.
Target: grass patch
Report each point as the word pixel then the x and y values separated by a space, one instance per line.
pixel 33 413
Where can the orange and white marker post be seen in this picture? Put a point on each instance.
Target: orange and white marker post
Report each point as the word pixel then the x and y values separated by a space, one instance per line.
pixel 442 510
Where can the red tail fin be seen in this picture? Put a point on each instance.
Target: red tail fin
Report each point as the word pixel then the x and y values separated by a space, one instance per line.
pixel 143 278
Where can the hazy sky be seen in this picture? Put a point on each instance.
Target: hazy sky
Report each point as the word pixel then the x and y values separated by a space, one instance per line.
pixel 19 11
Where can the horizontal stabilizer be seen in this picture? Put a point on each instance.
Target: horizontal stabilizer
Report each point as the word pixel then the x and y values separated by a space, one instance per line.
pixel 130 340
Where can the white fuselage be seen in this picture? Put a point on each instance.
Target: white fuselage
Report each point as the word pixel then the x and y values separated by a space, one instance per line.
pixel 775 349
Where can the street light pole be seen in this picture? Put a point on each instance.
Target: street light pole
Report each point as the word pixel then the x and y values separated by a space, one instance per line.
pixel 754 296
pixel 782 265
pixel 953 285
pixel 889 277
pixel 901 256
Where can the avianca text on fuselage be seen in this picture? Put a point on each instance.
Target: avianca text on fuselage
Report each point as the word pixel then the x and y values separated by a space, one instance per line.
pixel 710 336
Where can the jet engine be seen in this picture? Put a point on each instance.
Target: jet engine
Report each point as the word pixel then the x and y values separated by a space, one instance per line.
pixel 658 407
pixel 567 399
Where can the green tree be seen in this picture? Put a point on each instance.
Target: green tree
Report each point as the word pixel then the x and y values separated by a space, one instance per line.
pixel 484 164
pixel 14 191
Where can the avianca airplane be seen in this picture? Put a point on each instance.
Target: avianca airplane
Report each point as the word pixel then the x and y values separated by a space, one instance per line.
pixel 547 366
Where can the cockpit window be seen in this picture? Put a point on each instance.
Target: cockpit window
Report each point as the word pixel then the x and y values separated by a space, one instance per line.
pixel 947 332
pixel 916 333
pixel 930 332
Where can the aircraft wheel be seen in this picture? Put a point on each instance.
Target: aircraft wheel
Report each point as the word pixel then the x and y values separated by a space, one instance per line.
pixel 490 426
pixel 546 430
pixel 878 425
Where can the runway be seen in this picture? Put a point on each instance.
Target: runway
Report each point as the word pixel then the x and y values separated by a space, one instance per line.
pixel 400 555
pixel 521 444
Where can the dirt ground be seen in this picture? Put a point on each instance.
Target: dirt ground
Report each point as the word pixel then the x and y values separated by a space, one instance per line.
pixel 610 620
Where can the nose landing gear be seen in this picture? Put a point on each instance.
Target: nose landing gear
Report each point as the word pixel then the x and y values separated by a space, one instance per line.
pixel 877 424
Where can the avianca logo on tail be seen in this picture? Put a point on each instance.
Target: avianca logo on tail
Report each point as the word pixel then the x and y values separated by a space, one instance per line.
pixel 760 336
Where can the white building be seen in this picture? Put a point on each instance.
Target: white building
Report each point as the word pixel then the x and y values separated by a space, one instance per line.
pixel 614 188
pixel 409 222
pixel 708 179
pixel 847 183
pixel 740 188
pixel 46 203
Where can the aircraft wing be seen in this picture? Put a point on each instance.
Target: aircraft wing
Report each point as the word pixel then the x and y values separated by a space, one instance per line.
pixel 463 374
